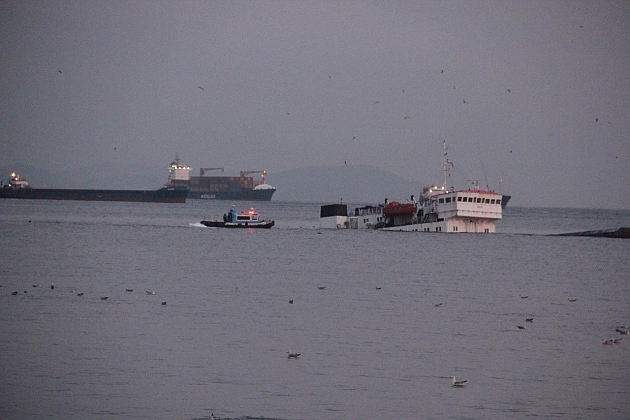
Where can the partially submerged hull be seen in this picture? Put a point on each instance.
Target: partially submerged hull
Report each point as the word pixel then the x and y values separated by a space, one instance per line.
pixel 162 195
pixel 623 233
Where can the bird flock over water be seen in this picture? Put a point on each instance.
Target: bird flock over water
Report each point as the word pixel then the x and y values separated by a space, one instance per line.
pixel 621 330
pixel 78 294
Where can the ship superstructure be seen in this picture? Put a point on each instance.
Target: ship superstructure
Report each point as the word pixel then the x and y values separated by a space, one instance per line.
pixel 444 209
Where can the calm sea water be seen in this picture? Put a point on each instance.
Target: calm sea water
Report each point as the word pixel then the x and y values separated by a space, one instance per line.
pixel 373 344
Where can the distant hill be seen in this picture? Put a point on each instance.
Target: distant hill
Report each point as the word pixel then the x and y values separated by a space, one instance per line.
pixel 105 176
pixel 352 183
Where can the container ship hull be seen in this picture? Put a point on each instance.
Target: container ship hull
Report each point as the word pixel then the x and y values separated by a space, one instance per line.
pixel 162 195
pixel 237 195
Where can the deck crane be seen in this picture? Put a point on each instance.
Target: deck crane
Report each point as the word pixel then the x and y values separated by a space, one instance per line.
pixel 263 174
pixel 204 170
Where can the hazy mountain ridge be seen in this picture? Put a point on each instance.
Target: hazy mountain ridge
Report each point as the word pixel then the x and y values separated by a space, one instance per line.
pixel 105 176
pixel 350 183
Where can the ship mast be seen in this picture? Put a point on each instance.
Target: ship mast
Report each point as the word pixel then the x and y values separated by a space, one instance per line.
pixel 447 169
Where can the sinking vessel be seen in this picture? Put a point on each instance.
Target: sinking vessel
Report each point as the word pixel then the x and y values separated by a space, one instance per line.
pixel 235 188
pixel 245 219
pixel 444 209
pixel 438 209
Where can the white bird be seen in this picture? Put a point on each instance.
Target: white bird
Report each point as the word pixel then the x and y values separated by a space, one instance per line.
pixel 456 383
pixel 150 292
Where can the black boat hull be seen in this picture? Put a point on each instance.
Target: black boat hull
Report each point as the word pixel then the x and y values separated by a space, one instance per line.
pixel 265 224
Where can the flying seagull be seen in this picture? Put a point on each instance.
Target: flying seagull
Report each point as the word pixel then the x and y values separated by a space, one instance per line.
pixel 200 88
pixel 456 383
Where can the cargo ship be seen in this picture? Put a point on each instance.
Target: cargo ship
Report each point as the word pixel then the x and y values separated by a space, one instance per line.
pixel 235 188
pixel 19 187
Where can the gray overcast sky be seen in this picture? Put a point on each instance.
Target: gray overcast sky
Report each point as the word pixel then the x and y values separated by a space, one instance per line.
pixel 532 94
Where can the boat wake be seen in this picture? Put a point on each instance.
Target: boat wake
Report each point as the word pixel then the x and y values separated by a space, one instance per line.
pixel 197 224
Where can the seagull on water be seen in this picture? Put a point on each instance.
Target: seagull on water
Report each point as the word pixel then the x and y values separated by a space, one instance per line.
pixel 128 290
pixel 437 305
pixel 322 287
pixel 524 296
pixel 150 292
pixel 529 319
pixel 293 355
pixel 456 383
pixel 520 327
pixel 620 331
pixel 104 297
pixel 572 299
